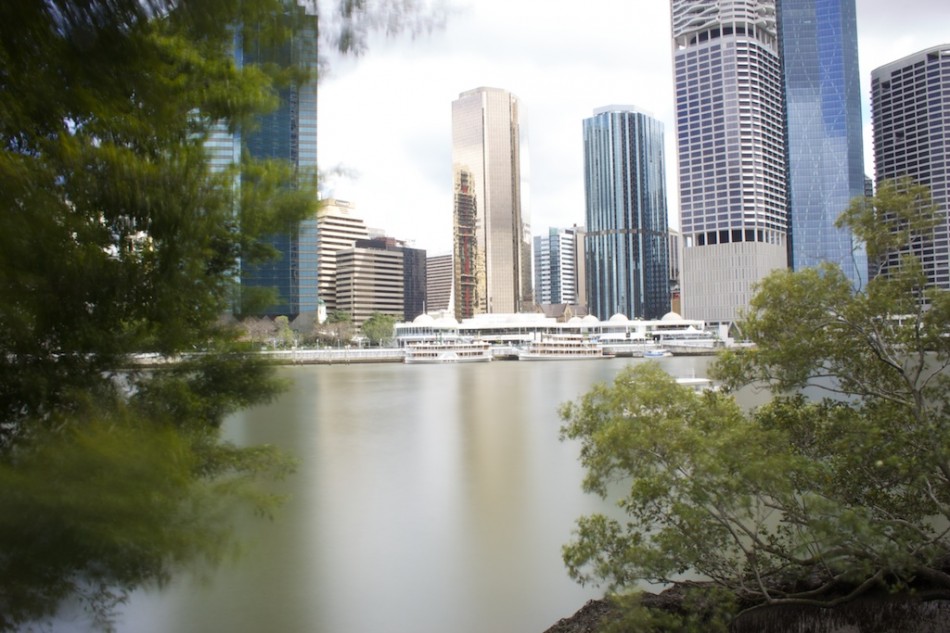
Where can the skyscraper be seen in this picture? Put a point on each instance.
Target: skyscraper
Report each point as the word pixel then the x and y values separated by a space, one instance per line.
pixel 910 110
pixel 288 133
pixel 731 146
pixel 819 41
pixel 627 238
pixel 338 228
pixel 492 242
pixel 555 266
pixel 370 280
pixel 413 270
pixel 439 283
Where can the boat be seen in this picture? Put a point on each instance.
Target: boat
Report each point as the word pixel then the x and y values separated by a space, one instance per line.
pixel 448 352
pixel 657 353
pixel 563 348
pixel 698 385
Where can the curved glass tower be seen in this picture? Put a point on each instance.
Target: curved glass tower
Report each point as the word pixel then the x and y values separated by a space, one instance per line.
pixel 825 145
pixel 627 240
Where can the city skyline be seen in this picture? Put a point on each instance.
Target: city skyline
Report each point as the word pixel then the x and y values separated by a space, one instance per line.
pixel 399 151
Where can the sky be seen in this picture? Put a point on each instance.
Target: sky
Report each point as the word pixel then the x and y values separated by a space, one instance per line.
pixel 385 139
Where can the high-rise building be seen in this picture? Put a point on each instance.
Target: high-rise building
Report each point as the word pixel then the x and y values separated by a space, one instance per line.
pixel 439 284
pixel 369 280
pixel 676 256
pixel 819 40
pixel 338 227
pixel 910 111
pixel 627 239
pixel 413 270
pixel 288 133
pixel 555 266
pixel 492 241
pixel 731 152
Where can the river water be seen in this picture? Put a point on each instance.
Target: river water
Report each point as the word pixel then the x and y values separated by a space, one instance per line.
pixel 429 499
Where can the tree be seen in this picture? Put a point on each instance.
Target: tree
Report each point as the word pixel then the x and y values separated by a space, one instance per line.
pixel 378 328
pixel 116 239
pixel 337 329
pixel 806 500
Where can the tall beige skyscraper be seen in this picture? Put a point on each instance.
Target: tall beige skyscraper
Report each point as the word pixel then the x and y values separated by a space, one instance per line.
pixel 492 240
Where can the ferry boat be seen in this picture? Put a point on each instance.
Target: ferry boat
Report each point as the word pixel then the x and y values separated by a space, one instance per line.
pixel 563 348
pixel 448 352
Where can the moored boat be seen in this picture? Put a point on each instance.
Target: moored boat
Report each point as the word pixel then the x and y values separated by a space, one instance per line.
pixel 657 353
pixel 563 348
pixel 448 352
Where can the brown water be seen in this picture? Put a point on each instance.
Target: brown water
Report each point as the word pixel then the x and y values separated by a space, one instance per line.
pixel 429 499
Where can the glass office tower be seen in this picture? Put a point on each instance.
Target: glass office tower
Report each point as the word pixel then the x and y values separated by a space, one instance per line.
pixel 289 133
pixel 819 41
pixel 731 148
pixel 492 234
pixel 910 109
pixel 627 241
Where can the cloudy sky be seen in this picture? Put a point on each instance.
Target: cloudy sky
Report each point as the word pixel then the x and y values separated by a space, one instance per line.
pixel 385 118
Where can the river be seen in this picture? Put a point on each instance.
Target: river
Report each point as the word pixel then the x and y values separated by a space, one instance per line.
pixel 429 499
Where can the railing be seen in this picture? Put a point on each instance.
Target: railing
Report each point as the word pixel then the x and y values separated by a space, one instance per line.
pixel 336 355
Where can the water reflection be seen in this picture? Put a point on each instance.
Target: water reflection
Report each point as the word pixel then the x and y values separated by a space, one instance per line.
pixel 429 499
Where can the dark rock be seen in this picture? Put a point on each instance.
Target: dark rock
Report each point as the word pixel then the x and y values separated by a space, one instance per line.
pixel 587 619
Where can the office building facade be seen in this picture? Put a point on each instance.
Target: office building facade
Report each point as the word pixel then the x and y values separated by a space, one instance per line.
pixel 819 40
pixel 439 277
pixel 369 281
pixel 492 237
pixel 910 111
pixel 338 227
pixel 289 133
pixel 731 152
pixel 627 239
pixel 414 272
pixel 555 266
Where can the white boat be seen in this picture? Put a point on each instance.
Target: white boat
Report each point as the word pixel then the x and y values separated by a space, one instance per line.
pixel 698 385
pixel 448 352
pixel 563 348
pixel 657 353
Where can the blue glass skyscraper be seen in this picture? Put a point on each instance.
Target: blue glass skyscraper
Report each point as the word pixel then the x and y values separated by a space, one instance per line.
pixel 627 242
pixel 289 133
pixel 819 45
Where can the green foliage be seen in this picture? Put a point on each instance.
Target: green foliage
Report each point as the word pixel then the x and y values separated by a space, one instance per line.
pixel 805 500
pixel 123 501
pixel 337 330
pixel 695 609
pixel 378 328
pixel 115 239
pixel 899 215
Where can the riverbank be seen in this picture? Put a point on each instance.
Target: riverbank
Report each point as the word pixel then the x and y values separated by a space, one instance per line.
pixel 347 355
pixel 877 612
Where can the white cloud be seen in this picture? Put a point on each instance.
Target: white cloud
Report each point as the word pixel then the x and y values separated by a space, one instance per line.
pixel 387 116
